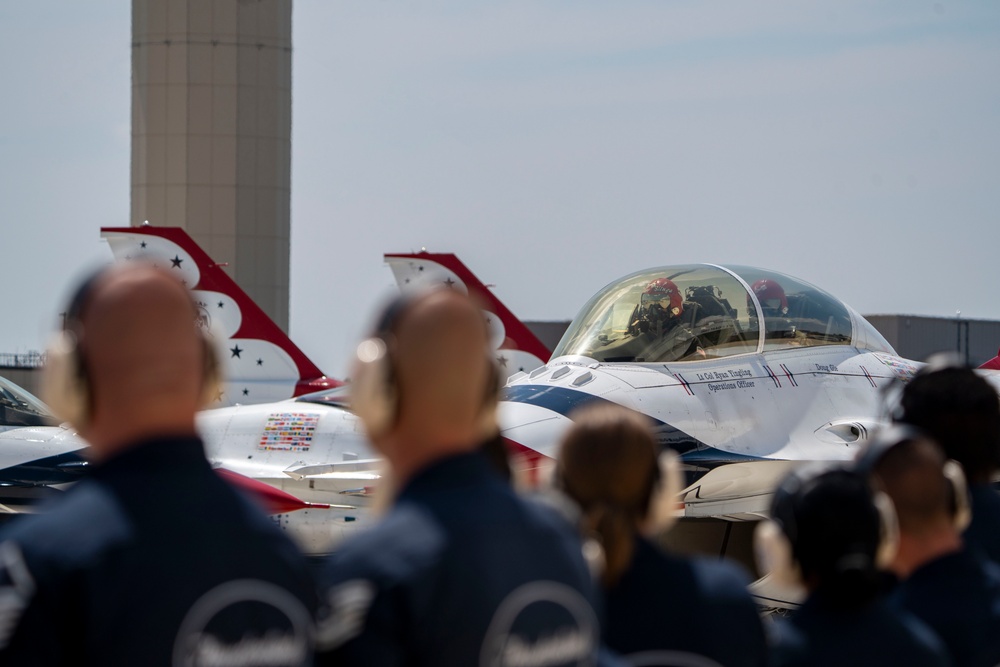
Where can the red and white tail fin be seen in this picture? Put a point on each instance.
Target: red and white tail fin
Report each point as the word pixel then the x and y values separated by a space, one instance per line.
pixel 261 364
pixel 518 350
pixel 993 364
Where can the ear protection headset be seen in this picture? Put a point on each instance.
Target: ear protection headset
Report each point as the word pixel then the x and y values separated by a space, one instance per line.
pixel 778 540
pixel 65 382
pixel 667 486
pixel 375 396
pixel 898 434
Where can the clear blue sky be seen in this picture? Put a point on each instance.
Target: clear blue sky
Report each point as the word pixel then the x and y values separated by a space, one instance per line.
pixel 554 145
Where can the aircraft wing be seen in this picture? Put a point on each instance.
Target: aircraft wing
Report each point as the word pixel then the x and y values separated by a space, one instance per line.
pixel 736 491
pixel 365 468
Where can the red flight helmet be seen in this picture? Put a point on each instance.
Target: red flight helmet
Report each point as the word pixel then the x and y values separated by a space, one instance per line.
pixel 770 294
pixel 664 288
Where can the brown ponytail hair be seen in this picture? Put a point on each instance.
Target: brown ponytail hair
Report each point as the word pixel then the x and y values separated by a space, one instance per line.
pixel 608 466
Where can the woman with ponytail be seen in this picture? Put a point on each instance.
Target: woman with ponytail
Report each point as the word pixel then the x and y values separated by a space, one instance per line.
pixel 660 608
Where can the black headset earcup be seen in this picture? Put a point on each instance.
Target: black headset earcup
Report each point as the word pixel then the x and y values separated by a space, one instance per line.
pixel 493 384
pixel 663 510
pixel 888 543
pixel 212 377
pixel 373 393
pixel 773 552
pixel 64 386
pixel 960 494
pixel 892 401
pixel 488 419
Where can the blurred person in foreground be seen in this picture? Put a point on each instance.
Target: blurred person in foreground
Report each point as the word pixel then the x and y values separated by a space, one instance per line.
pixel 151 559
pixel 661 608
pixel 953 589
pixel 831 535
pixel 959 409
pixel 460 571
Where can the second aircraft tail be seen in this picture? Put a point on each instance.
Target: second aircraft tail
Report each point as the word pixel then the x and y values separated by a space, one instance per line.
pixel 517 348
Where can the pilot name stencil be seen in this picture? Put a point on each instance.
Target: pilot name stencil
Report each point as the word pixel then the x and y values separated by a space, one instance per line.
pixel 725 375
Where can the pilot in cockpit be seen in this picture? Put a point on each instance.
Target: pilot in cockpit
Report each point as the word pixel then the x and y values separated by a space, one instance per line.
pixel 659 315
pixel 771 296
pixel 774 304
pixel 660 307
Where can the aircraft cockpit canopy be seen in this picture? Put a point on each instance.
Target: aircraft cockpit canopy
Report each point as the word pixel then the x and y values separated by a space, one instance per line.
pixel 699 311
pixel 19 408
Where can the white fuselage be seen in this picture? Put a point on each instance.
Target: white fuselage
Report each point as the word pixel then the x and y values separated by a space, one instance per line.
pixel 778 408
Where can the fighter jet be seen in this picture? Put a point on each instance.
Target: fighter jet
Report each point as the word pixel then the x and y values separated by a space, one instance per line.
pixel 744 372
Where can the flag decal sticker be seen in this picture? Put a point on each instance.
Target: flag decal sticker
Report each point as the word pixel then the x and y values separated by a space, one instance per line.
pixel 288 432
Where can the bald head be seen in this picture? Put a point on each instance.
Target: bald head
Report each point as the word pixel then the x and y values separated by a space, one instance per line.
pixel 441 362
pixel 439 348
pixel 912 474
pixel 143 356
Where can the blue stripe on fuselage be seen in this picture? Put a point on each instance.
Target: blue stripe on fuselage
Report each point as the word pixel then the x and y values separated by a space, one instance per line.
pixel 564 401
pixel 558 399
pixel 58 469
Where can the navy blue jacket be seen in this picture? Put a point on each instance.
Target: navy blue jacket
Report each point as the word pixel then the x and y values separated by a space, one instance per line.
pixel 461 572
pixel 984 531
pixel 150 559
pixel 820 635
pixel 669 603
pixel 958 596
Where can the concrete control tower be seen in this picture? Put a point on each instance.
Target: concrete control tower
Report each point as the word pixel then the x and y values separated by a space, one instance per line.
pixel 211 132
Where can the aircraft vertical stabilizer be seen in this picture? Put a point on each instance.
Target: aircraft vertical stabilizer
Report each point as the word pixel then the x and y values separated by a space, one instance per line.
pixel 518 349
pixel 993 364
pixel 261 363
